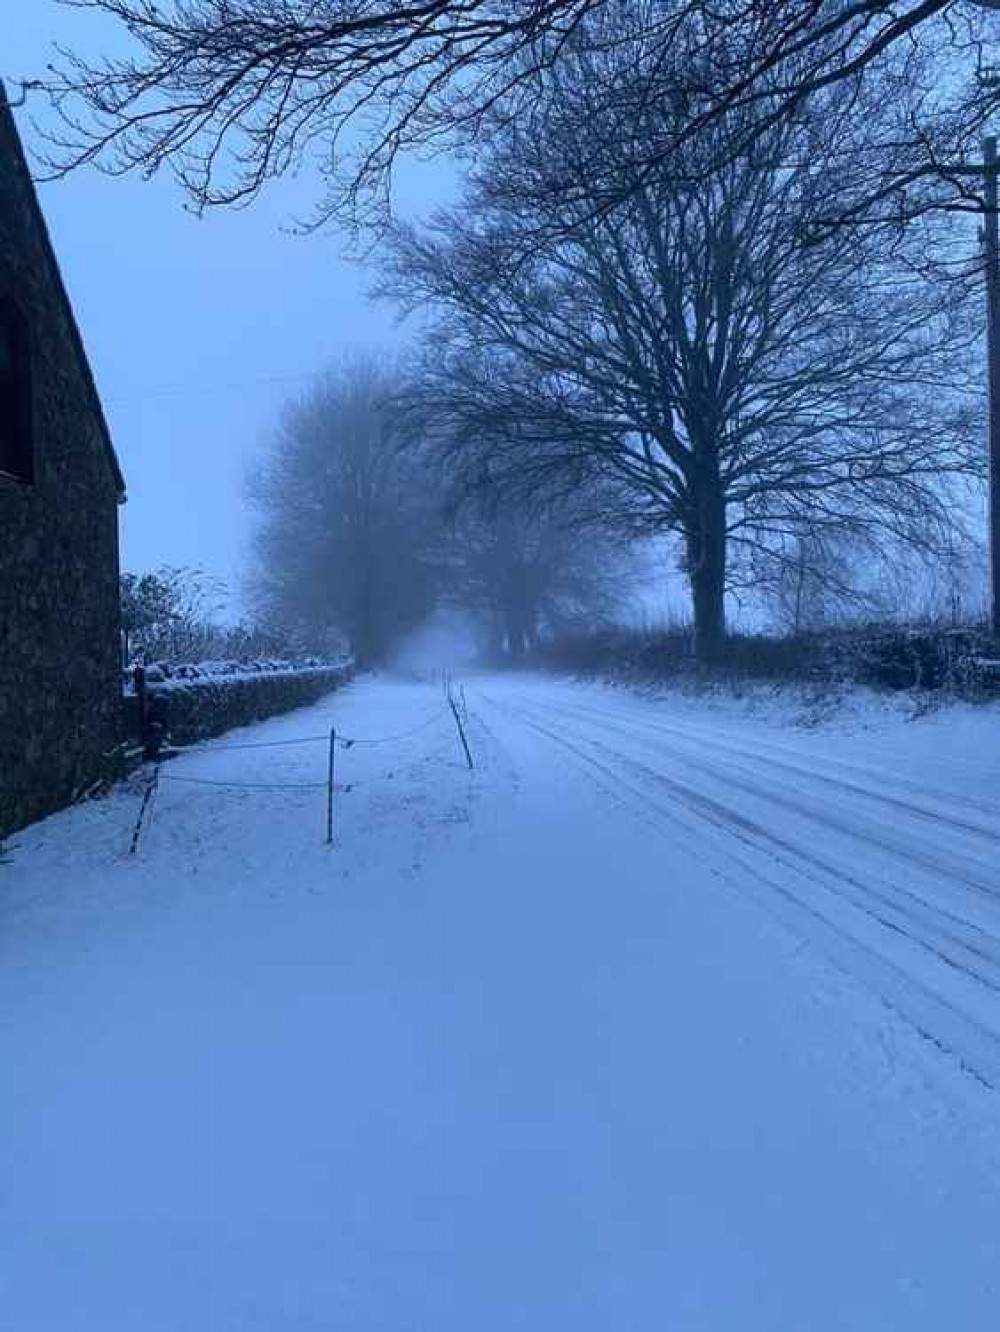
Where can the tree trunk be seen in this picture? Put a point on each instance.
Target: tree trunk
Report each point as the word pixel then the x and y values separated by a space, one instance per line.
pixel 496 639
pixel 706 568
pixel 800 588
pixel 515 638
pixel 362 636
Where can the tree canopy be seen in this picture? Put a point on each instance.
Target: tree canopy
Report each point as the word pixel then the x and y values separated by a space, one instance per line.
pixel 230 94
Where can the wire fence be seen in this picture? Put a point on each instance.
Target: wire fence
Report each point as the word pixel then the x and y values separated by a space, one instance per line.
pixel 343 741
pixel 455 706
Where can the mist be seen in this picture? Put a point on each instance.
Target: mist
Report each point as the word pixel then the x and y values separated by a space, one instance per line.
pixel 499 666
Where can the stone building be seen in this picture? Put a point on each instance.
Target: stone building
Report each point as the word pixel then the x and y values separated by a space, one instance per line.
pixel 60 487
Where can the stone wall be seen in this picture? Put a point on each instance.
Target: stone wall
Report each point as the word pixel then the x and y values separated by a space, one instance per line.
pixel 60 707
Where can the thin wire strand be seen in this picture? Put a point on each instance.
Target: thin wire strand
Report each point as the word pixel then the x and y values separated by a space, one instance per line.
pixel 245 786
pixel 274 786
pixel 262 744
pixel 342 740
pixel 389 739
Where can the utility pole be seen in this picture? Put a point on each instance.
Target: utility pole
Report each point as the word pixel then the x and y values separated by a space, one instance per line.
pixel 991 236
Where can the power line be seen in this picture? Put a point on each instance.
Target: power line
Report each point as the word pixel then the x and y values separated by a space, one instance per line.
pixel 207 390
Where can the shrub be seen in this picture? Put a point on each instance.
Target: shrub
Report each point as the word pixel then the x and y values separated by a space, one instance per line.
pixel 186 708
pixel 929 658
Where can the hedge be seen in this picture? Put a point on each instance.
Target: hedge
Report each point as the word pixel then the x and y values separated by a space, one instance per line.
pixel 957 661
pixel 187 710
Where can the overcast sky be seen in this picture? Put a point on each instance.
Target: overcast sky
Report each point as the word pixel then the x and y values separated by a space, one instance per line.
pixel 198 329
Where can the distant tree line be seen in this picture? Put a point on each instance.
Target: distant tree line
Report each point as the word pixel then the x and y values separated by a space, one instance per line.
pixel 363 532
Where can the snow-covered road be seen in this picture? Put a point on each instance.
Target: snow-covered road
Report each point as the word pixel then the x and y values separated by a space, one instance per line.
pixel 666 1016
pixel 888 857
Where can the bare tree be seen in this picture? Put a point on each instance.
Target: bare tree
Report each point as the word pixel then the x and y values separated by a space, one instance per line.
pixel 739 385
pixel 347 532
pixel 534 570
pixel 171 614
pixel 813 580
pixel 232 93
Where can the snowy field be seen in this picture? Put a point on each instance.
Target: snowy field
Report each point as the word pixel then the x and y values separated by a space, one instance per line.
pixel 666 1017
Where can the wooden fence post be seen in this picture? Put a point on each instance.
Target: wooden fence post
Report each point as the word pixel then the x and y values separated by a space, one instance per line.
pixel 329 786
pixel 139 681
pixel 461 731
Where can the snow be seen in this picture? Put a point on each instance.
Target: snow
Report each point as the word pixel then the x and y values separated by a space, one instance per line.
pixel 164 677
pixel 667 1015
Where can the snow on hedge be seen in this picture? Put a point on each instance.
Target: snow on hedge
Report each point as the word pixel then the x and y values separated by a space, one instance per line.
pixel 166 675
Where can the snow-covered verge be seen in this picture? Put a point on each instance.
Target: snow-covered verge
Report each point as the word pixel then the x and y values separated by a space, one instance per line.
pixel 931 660
pixel 661 1017
pixel 801 705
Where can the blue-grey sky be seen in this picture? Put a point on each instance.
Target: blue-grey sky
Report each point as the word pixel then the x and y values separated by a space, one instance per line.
pixel 190 322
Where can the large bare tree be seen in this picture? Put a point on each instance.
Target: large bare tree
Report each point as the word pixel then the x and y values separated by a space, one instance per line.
pixel 743 387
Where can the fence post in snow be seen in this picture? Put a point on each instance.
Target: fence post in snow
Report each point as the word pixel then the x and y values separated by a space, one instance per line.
pixel 329 786
pixel 461 729
pixel 139 683
pixel 147 801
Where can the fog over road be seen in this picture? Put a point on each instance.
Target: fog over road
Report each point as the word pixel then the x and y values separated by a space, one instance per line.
pixel 667 1015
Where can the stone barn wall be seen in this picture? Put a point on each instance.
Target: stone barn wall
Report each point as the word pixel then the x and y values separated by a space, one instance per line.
pixel 60 682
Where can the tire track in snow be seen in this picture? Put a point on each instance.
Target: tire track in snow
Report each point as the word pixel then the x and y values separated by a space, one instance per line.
pixel 981 944
pixel 940 1018
pixel 783 760
pixel 764 789
pixel 990 957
